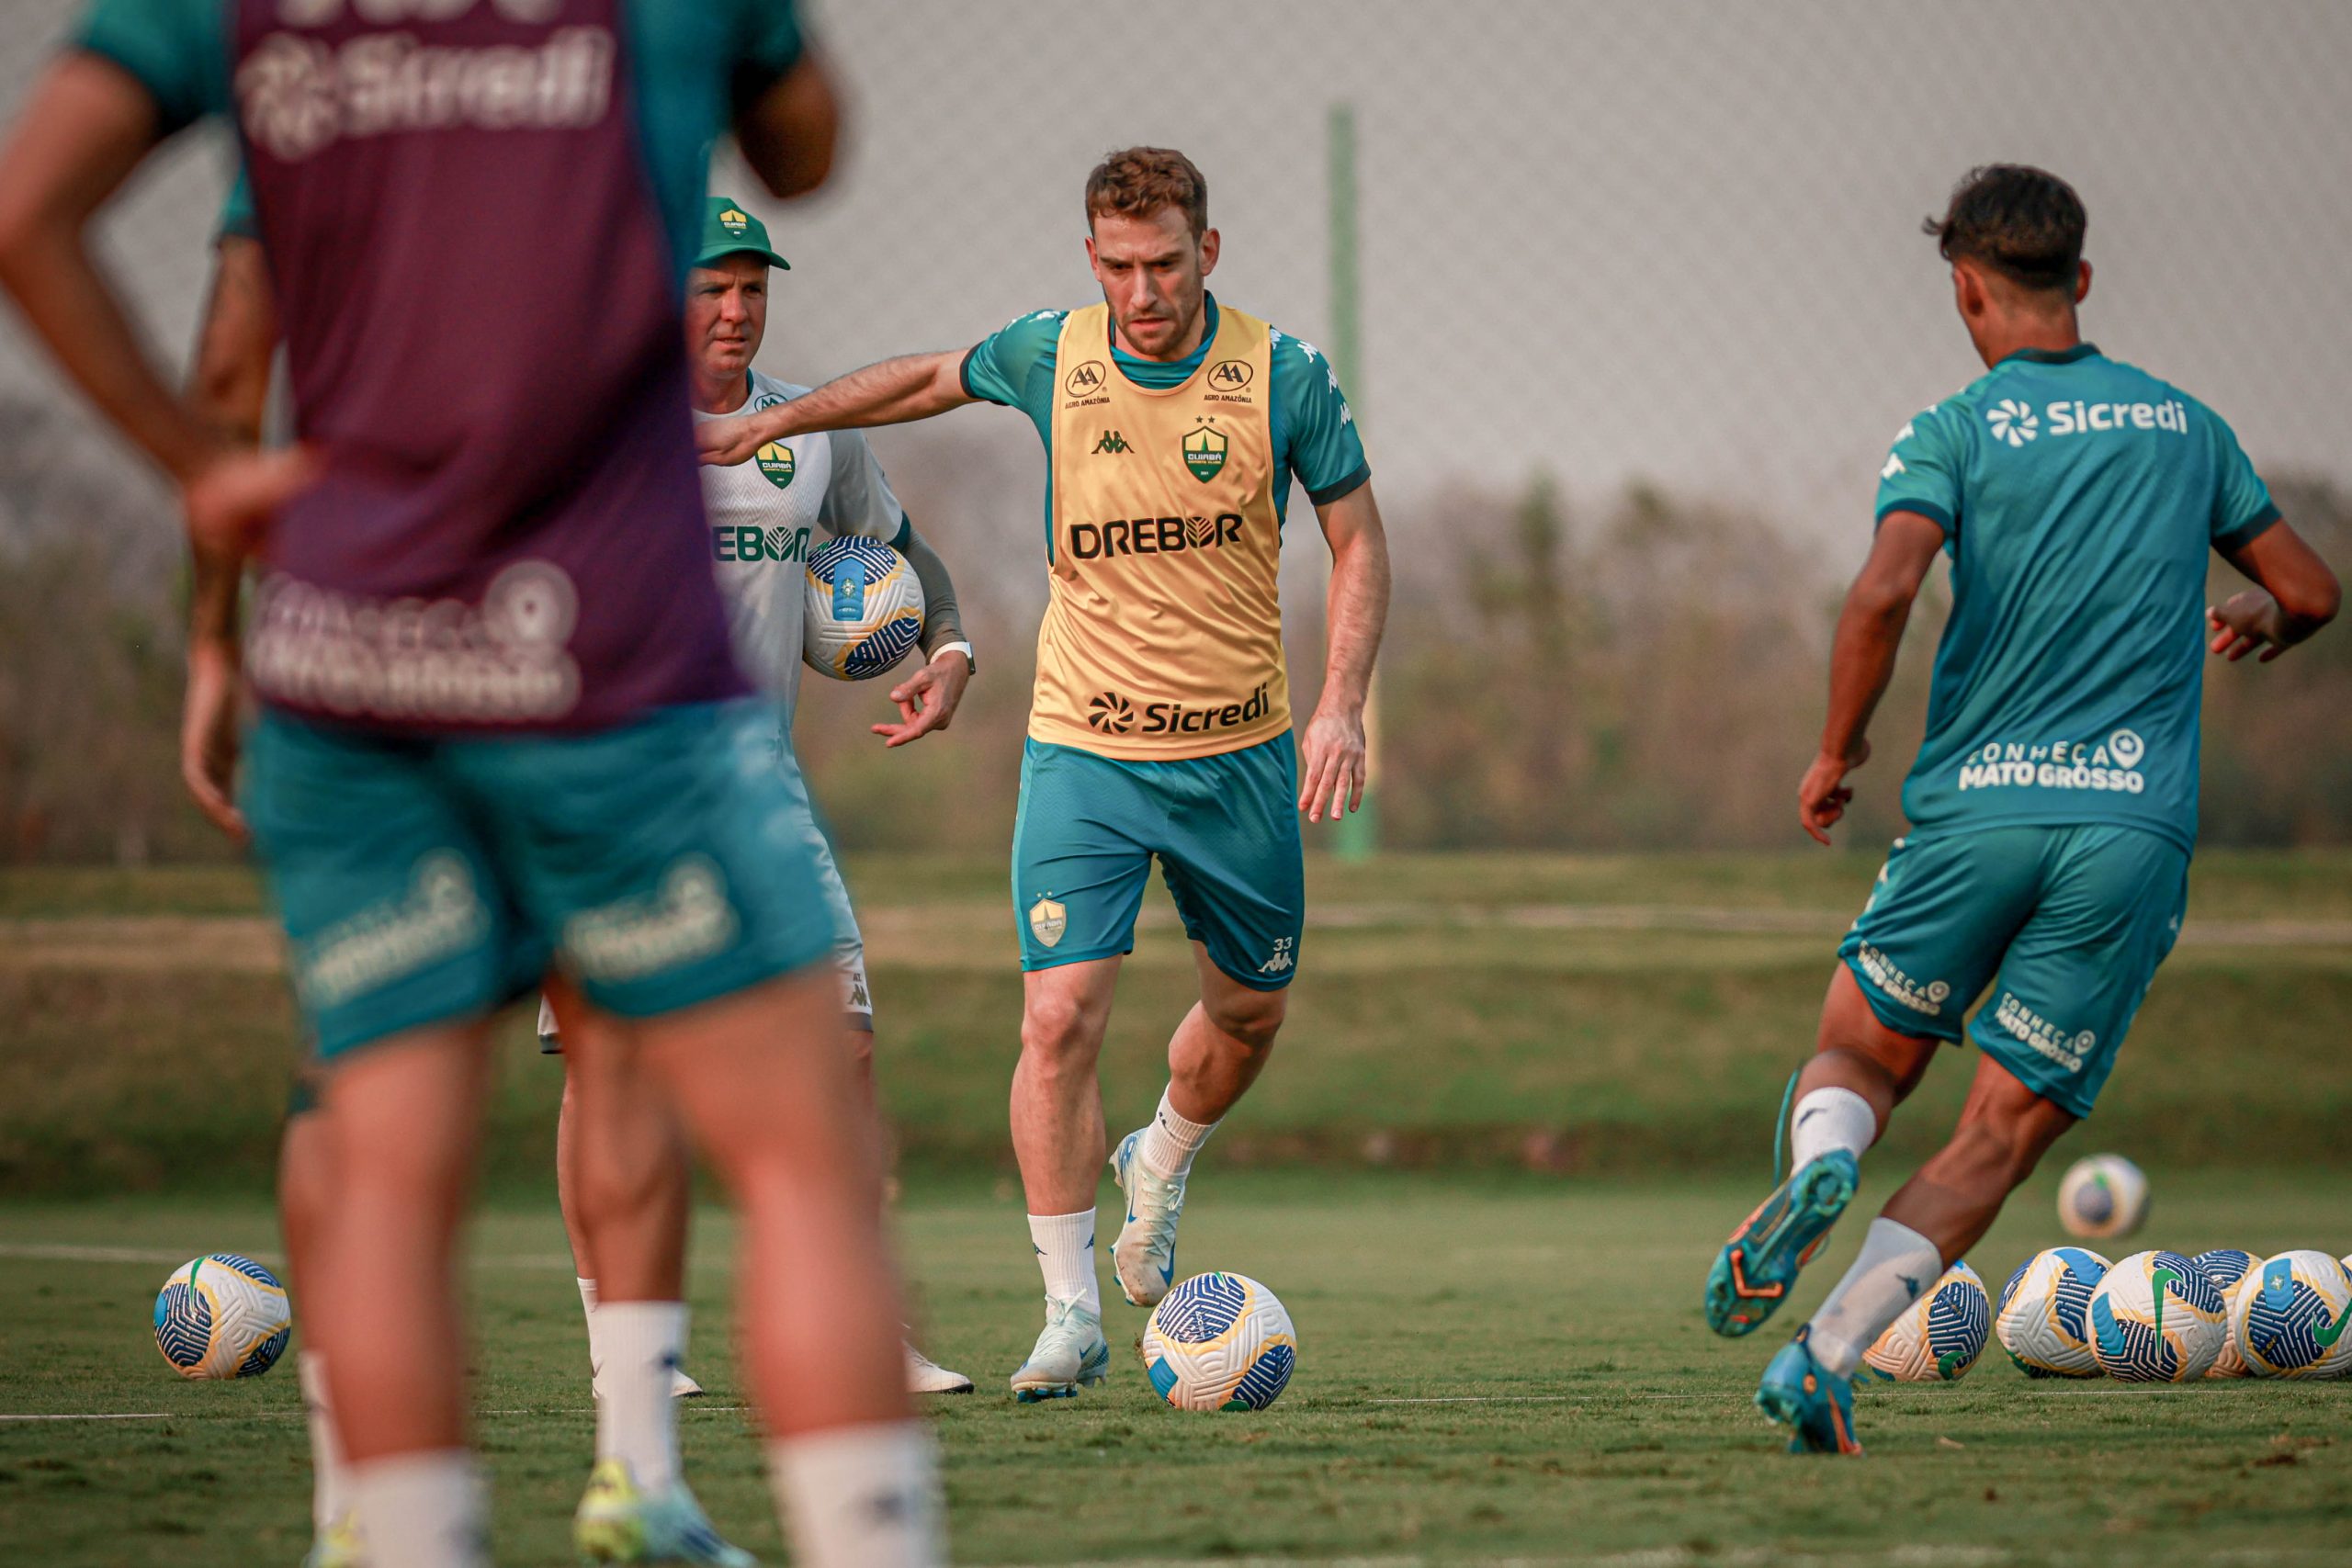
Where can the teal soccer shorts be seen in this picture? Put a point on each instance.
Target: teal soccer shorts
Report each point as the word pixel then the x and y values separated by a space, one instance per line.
pixel 2067 924
pixel 1225 829
pixel 425 880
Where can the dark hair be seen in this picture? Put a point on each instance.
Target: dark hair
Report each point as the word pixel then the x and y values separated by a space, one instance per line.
pixel 1138 181
pixel 2025 223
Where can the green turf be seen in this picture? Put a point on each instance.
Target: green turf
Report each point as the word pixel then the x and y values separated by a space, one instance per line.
pixel 1575 1408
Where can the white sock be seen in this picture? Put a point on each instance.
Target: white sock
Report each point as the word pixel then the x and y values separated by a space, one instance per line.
pixel 1896 1266
pixel 330 1481
pixel 1830 1119
pixel 1065 1244
pixel 423 1510
pixel 1170 1142
pixel 861 1496
pixel 641 1342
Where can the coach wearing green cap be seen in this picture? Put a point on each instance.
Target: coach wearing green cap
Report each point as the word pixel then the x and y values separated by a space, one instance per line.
pixel 763 515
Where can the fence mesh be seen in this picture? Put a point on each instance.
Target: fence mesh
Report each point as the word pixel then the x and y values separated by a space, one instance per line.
pixel 1642 298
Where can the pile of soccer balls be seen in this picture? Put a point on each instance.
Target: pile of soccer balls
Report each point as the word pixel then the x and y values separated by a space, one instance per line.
pixel 2154 1317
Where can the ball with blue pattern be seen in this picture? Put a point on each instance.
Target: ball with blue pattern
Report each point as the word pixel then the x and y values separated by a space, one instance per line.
pixel 222 1316
pixel 2157 1318
pixel 1220 1342
pixel 1939 1335
pixel 863 609
pixel 2294 1312
pixel 2044 1317
pixel 2228 1266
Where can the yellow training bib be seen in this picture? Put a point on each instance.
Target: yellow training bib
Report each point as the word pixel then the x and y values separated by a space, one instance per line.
pixel 1163 633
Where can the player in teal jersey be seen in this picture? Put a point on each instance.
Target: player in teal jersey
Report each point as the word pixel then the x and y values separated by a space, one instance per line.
pixel 2054 803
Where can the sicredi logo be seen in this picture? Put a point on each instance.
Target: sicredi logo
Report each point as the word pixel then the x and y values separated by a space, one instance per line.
pixel 2017 424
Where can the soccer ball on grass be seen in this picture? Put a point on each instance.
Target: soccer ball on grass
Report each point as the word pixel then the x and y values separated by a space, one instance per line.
pixel 2157 1318
pixel 1220 1342
pixel 223 1317
pixel 2044 1322
pixel 2295 1309
pixel 2228 1268
pixel 1940 1336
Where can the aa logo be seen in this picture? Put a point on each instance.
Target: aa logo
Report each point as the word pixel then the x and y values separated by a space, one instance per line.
pixel 1230 374
pixel 1112 443
pixel 1205 453
pixel 775 461
pixel 1110 713
pixel 1085 381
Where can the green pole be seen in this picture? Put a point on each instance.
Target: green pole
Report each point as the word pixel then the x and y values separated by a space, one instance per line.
pixel 1358 836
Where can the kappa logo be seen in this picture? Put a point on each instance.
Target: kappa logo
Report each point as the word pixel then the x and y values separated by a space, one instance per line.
pixel 1048 919
pixel 2012 422
pixel 1084 380
pixel 1110 713
pixel 1282 959
pixel 1112 443
pixel 1205 453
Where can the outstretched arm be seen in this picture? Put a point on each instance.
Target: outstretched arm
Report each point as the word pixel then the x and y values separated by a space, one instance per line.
pixel 2298 595
pixel 1861 660
pixel 1332 751
pixel 915 386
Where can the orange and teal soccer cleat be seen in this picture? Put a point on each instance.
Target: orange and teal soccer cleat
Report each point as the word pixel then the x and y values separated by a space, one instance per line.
pixel 1814 1404
pixel 1753 1273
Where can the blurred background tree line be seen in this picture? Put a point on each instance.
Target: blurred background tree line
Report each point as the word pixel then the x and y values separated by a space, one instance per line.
pixel 1642 673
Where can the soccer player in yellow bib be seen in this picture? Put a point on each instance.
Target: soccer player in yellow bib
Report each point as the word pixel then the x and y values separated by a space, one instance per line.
pixel 1161 726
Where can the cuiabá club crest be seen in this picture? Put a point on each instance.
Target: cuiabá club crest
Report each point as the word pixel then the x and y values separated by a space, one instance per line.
pixel 775 461
pixel 1205 453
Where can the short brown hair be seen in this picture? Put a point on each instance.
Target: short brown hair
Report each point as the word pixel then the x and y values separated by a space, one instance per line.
pixel 1137 182
pixel 2025 223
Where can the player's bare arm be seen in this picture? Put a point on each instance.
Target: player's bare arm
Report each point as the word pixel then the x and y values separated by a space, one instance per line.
pixel 87 126
pixel 1331 748
pixel 1861 660
pixel 228 389
pixel 787 134
pixel 896 392
pixel 2298 595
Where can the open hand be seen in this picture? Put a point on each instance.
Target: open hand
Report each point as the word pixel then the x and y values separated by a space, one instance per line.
pixel 1823 796
pixel 208 734
pixel 1331 761
pixel 926 699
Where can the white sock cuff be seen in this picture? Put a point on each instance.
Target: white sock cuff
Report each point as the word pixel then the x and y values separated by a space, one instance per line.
pixel 1895 1268
pixel 1170 1142
pixel 587 1293
pixel 1065 1248
pixel 861 1496
pixel 1826 1119
pixel 1193 1133
pixel 310 1377
pixel 423 1510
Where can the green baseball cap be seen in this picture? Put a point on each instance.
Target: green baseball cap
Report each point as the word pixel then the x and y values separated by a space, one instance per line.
pixel 729 230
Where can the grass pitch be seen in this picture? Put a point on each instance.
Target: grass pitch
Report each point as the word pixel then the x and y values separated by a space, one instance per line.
pixel 1503 1369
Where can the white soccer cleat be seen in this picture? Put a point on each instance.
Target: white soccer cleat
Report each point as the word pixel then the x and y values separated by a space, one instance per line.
pixel 683 1387
pixel 337 1547
pixel 1145 1255
pixel 927 1376
pixel 1069 1354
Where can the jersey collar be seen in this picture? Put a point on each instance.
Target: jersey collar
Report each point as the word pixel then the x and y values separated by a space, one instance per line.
pixel 2053 356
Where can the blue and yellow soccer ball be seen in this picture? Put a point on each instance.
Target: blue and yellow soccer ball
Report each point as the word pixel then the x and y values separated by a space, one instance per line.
pixel 1939 1337
pixel 2296 1308
pixel 1220 1342
pixel 223 1317
pixel 865 609
pixel 2228 1268
pixel 2102 1196
pixel 2158 1318
pixel 2044 1318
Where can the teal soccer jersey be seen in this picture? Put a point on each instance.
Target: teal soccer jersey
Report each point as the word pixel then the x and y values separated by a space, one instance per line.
pixel 2078 497
pixel 1315 435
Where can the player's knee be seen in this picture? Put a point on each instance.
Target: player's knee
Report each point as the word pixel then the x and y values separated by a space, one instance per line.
pixel 1253 1018
pixel 1056 1031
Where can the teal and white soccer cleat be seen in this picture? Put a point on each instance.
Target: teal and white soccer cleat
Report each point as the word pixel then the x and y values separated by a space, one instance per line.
pixel 1753 1273
pixel 337 1546
pixel 1814 1404
pixel 1071 1354
pixel 617 1523
pixel 1144 1256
